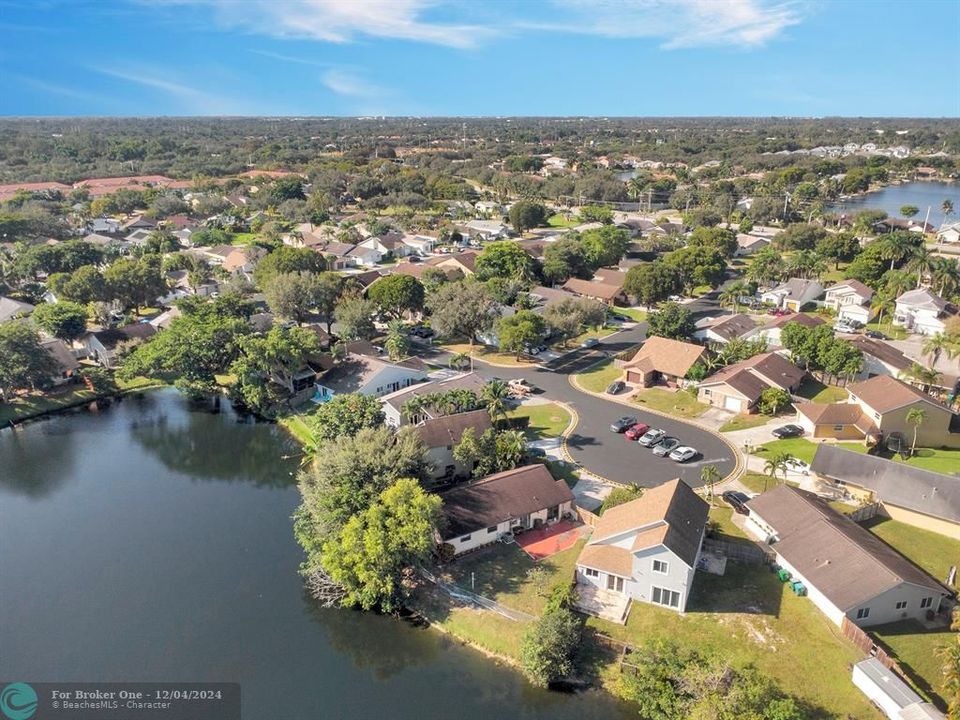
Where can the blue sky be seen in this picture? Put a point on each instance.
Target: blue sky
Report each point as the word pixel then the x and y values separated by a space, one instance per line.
pixel 498 57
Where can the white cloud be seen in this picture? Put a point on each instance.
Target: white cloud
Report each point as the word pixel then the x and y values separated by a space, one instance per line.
pixel 342 21
pixel 678 23
pixel 346 83
pixel 188 98
pixel 291 58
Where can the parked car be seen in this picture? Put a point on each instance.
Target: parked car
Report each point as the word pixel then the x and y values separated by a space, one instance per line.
pixel 532 349
pixel 535 453
pixel 876 335
pixel 421 331
pixel 674 298
pixel 797 466
pixel 844 327
pixel 621 425
pixel 652 437
pixel 737 500
pixel 637 431
pixel 589 343
pixel 616 387
pixel 787 431
pixel 521 385
pixel 666 446
pixel 682 454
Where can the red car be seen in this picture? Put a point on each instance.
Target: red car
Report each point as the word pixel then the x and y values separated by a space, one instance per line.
pixel 637 431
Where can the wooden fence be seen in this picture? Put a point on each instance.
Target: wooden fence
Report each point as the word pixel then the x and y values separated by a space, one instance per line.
pixel 587 517
pixel 744 552
pixel 866 512
pixel 866 644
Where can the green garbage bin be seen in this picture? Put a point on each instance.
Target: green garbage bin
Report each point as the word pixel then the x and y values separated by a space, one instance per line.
pixel 784 575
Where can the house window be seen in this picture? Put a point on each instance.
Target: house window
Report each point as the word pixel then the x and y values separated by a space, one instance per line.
pixel 590 572
pixel 876 415
pixel 926 602
pixel 492 529
pixel 707 392
pixel 668 598
pixel 465 538
pixel 901 605
pixel 863 613
pixel 838 428
pixel 659 566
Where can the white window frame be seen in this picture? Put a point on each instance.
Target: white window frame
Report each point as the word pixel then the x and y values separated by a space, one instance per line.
pixel 926 602
pixel 662 563
pixel 465 538
pixel 590 572
pixel 665 593
pixel 901 605
pixel 863 613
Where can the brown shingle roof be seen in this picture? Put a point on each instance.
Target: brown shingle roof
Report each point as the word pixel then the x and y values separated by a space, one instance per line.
pixel 847 563
pixel 592 288
pixel 885 394
pixel 448 429
pixel 837 414
pixel 500 497
pixel 752 376
pixel 882 351
pixel 807 320
pixel 607 558
pixel 731 326
pixel 671 357
pixel 677 513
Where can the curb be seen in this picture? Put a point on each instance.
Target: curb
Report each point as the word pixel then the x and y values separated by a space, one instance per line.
pixel 565 450
pixel 739 461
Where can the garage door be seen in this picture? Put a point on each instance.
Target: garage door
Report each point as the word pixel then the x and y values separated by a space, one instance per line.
pixel 731 403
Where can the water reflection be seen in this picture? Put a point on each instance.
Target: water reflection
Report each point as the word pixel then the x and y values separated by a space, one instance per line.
pixel 27 472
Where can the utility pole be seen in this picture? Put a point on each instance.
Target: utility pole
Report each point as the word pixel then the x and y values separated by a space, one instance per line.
pixel 786 199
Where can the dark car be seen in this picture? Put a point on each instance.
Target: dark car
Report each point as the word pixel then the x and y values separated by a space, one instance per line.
pixel 636 431
pixel 736 500
pixel 616 387
pixel 422 331
pixel 621 425
pixel 876 335
pixel 787 431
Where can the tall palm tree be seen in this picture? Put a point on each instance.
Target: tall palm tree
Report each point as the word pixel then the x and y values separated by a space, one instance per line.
pixel 921 260
pixel 935 345
pixel 511 449
pixel 397 343
pixel 945 274
pixel 495 394
pixel 776 463
pixel 459 360
pixel 915 417
pixel 927 377
pixel 895 247
pixel 882 302
pixel 709 475
pixel 947 208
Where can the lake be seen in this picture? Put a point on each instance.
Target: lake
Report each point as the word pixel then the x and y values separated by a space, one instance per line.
pixel 890 199
pixel 152 541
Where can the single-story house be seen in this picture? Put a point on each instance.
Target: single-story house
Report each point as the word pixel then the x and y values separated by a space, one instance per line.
pixel 596 290
pixel 646 549
pixel 848 571
pixel 465 262
pixel 106 225
pixel 662 360
pixel 770 331
pixel 887 691
pixel 67 364
pixel 394 402
pixel 389 244
pixel 750 244
pixel 850 299
pixel 723 329
pixel 950 233
pixel 482 512
pixel 793 294
pixel 102 345
pixel 11 309
pixel 138 222
pixel 138 237
pixel 441 434
pixel 879 357
pixel 922 311
pixel 738 387
pixel 420 244
pixel 543 297
pixel 919 497
pixel 485 230
pixel 368 375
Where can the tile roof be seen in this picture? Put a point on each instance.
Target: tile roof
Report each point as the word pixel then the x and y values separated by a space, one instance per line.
pixel 500 497
pixel 448 429
pixel 672 357
pixel 783 320
pixel 892 482
pixel 844 561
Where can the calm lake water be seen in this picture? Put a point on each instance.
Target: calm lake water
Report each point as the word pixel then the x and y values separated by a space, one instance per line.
pixel 152 542
pixel 891 199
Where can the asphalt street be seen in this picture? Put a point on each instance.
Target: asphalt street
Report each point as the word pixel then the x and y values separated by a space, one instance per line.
pixel 608 454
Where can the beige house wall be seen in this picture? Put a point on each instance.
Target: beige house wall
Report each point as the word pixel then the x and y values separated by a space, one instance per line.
pixel 924 522
pixel 933 433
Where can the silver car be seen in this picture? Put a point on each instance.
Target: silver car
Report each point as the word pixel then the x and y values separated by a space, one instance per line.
pixel 652 437
pixel 666 446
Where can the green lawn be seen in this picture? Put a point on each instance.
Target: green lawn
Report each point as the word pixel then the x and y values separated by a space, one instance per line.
pixel 483 352
pixel 747 616
pixel 546 421
pixel 894 332
pixel 679 404
pixel 297 427
pixel 243 238
pixel 915 648
pixel 599 377
pixel 722 515
pixel 931 551
pixel 798 447
pixel 817 392
pixel 587 334
pixel 630 313
pixel 35 404
pixel 742 422
pixel 559 221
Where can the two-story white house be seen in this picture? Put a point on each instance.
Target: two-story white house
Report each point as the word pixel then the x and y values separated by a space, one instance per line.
pixel 848 572
pixel 440 435
pixel 850 299
pixel 793 294
pixel 921 311
pixel 646 550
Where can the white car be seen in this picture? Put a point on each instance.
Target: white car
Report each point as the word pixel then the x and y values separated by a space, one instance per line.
pixel 682 454
pixel 797 466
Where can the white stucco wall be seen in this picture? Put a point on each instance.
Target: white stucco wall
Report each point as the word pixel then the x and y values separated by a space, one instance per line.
pixel 883 608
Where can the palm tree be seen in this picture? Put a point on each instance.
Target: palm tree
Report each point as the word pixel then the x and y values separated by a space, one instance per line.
pixel 949 654
pixel 459 360
pixel 495 394
pixel 915 417
pixel 776 463
pixel 921 260
pixel 945 274
pixel 882 302
pixel 397 343
pixel 935 345
pixel 947 208
pixel 895 247
pixel 511 449
pixel 708 476
pixel 927 377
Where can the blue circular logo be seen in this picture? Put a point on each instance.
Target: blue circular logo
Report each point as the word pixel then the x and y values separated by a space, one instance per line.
pixel 18 701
